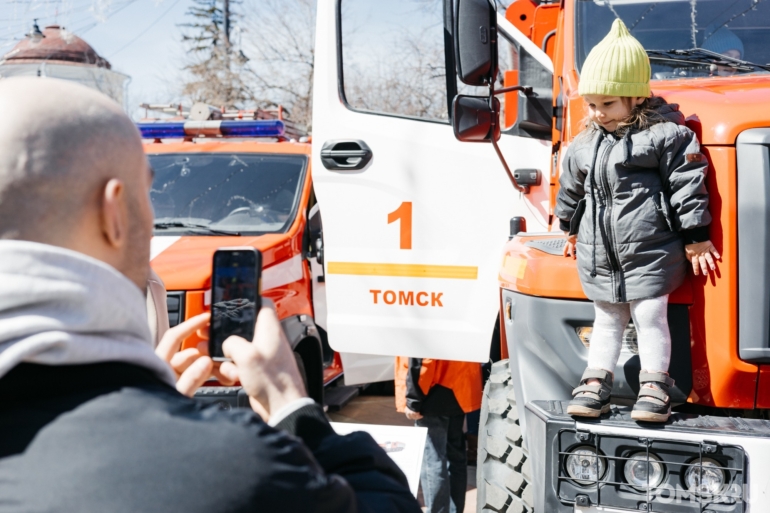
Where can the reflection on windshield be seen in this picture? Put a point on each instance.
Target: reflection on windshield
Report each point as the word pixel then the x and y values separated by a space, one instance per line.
pixel 738 29
pixel 241 193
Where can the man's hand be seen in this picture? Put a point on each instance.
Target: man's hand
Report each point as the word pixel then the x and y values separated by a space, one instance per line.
pixel 193 365
pixel 700 256
pixel 266 367
pixel 569 245
pixel 412 415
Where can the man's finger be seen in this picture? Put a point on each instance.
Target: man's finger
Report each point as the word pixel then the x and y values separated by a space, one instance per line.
pixel 566 249
pixel 715 252
pixel 195 375
pixel 694 262
pixel 173 338
pixel 182 360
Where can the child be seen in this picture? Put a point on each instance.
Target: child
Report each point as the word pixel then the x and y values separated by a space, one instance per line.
pixel 633 204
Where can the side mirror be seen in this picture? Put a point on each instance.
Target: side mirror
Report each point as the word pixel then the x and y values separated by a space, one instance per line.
pixel 476 118
pixel 475 41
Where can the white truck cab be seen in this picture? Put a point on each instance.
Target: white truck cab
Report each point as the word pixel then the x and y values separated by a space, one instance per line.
pixel 413 218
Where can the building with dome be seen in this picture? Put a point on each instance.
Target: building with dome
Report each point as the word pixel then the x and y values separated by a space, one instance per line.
pixel 57 53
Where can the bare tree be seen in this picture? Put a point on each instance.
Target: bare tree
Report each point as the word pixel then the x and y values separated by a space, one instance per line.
pixel 216 70
pixel 409 80
pixel 279 38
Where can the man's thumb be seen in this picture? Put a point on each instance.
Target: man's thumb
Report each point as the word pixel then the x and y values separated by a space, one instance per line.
pixel 236 348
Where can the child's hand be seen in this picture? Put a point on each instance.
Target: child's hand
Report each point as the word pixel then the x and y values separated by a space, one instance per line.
pixel 699 255
pixel 569 246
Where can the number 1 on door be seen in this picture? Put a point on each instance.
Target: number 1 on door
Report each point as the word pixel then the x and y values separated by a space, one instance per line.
pixel 404 214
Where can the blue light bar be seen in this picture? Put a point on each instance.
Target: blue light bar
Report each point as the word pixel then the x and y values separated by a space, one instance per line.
pixel 257 128
pixel 168 130
pixel 180 129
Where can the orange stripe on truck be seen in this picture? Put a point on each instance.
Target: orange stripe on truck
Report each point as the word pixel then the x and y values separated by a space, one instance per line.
pixel 452 272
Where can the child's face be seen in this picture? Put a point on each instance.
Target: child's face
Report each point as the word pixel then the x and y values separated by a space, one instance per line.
pixel 608 111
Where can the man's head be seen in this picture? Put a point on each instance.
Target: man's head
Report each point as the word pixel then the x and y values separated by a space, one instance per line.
pixel 73 173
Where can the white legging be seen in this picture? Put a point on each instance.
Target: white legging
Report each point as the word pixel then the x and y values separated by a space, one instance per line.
pixel 651 322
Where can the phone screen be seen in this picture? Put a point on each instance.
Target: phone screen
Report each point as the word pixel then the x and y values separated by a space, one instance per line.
pixel 235 298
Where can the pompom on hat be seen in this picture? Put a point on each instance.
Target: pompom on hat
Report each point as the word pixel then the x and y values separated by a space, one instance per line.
pixel 617 66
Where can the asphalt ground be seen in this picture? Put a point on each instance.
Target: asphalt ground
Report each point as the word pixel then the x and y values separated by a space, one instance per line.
pixel 381 409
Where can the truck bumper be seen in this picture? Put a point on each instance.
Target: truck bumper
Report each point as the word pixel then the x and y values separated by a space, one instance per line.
pixel 741 447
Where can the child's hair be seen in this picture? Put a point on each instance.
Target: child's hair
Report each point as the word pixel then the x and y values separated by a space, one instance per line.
pixel 642 116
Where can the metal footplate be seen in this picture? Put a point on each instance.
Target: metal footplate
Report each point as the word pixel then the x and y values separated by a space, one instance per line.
pixel 226 397
pixel 554 246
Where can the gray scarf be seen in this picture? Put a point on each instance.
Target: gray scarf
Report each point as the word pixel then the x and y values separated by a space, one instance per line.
pixel 60 307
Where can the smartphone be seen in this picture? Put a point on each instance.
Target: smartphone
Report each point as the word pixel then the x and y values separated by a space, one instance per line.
pixel 235 296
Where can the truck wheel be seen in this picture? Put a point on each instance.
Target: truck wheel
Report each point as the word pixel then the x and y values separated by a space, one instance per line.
pixel 502 469
pixel 301 367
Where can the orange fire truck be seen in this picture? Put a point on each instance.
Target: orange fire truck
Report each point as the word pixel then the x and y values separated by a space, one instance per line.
pixel 234 178
pixel 708 458
pixel 423 215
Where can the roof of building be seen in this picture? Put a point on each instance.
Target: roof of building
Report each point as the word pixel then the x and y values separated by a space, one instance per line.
pixel 58 44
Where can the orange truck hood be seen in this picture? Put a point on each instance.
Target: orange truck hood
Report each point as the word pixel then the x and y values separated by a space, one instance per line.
pixel 719 109
pixel 184 263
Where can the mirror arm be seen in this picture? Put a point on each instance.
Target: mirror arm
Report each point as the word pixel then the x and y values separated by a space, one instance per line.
pixel 524 189
pixel 527 90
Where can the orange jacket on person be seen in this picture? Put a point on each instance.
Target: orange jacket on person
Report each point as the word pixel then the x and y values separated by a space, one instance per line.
pixel 437 387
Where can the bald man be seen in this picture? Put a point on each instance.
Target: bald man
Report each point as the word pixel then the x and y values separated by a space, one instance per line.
pixel 91 420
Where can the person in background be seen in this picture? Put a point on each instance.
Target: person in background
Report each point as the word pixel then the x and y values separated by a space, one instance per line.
pixel 92 419
pixel 436 394
pixel 724 42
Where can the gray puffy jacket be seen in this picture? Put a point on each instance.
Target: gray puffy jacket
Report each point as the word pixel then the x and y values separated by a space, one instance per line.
pixel 644 200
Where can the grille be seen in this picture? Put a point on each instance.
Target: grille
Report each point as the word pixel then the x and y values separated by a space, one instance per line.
pixel 175 306
pixel 611 489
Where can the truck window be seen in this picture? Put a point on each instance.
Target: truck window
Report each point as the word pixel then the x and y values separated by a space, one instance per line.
pixel 738 29
pixel 393 59
pixel 245 193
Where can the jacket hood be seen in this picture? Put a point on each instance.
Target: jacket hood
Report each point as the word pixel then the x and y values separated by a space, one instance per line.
pixel 671 112
pixel 60 307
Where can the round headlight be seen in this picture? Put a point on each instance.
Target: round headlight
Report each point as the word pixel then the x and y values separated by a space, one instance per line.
pixel 643 474
pixel 704 477
pixel 584 465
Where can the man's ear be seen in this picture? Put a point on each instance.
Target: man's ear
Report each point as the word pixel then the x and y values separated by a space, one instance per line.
pixel 639 100
pixel 114 213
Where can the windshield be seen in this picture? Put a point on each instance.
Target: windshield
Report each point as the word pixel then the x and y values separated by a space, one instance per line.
pixel 241 193
pixel 738 29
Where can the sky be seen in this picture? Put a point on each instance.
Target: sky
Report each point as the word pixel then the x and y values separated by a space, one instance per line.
pixel 140 38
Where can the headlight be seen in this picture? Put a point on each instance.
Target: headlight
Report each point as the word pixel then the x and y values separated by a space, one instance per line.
pixel 704 477
pixel 584 465
pixel 643 474
pixel 630 344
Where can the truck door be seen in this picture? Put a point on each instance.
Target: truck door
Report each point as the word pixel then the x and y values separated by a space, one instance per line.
pixel 414 220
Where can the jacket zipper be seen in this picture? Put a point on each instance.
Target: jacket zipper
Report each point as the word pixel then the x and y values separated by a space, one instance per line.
pixel 610 247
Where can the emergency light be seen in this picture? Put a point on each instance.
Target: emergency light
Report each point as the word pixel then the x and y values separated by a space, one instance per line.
pixel 179 129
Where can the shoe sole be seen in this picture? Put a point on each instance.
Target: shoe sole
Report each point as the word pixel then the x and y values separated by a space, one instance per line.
pixel 648 416
pixel 584 411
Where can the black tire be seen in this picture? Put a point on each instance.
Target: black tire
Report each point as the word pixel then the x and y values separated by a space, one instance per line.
pixel 301 367
pixel 502 470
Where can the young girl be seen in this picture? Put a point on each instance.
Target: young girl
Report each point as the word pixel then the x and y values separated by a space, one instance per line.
pixel 633 204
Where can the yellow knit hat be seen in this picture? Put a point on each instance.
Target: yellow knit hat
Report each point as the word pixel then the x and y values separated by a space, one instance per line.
pixel 617 66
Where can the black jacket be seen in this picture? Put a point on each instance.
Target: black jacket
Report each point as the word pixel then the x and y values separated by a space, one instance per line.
pixel 111 437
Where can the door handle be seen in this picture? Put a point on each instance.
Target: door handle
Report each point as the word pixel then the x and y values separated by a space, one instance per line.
pixel 345 155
